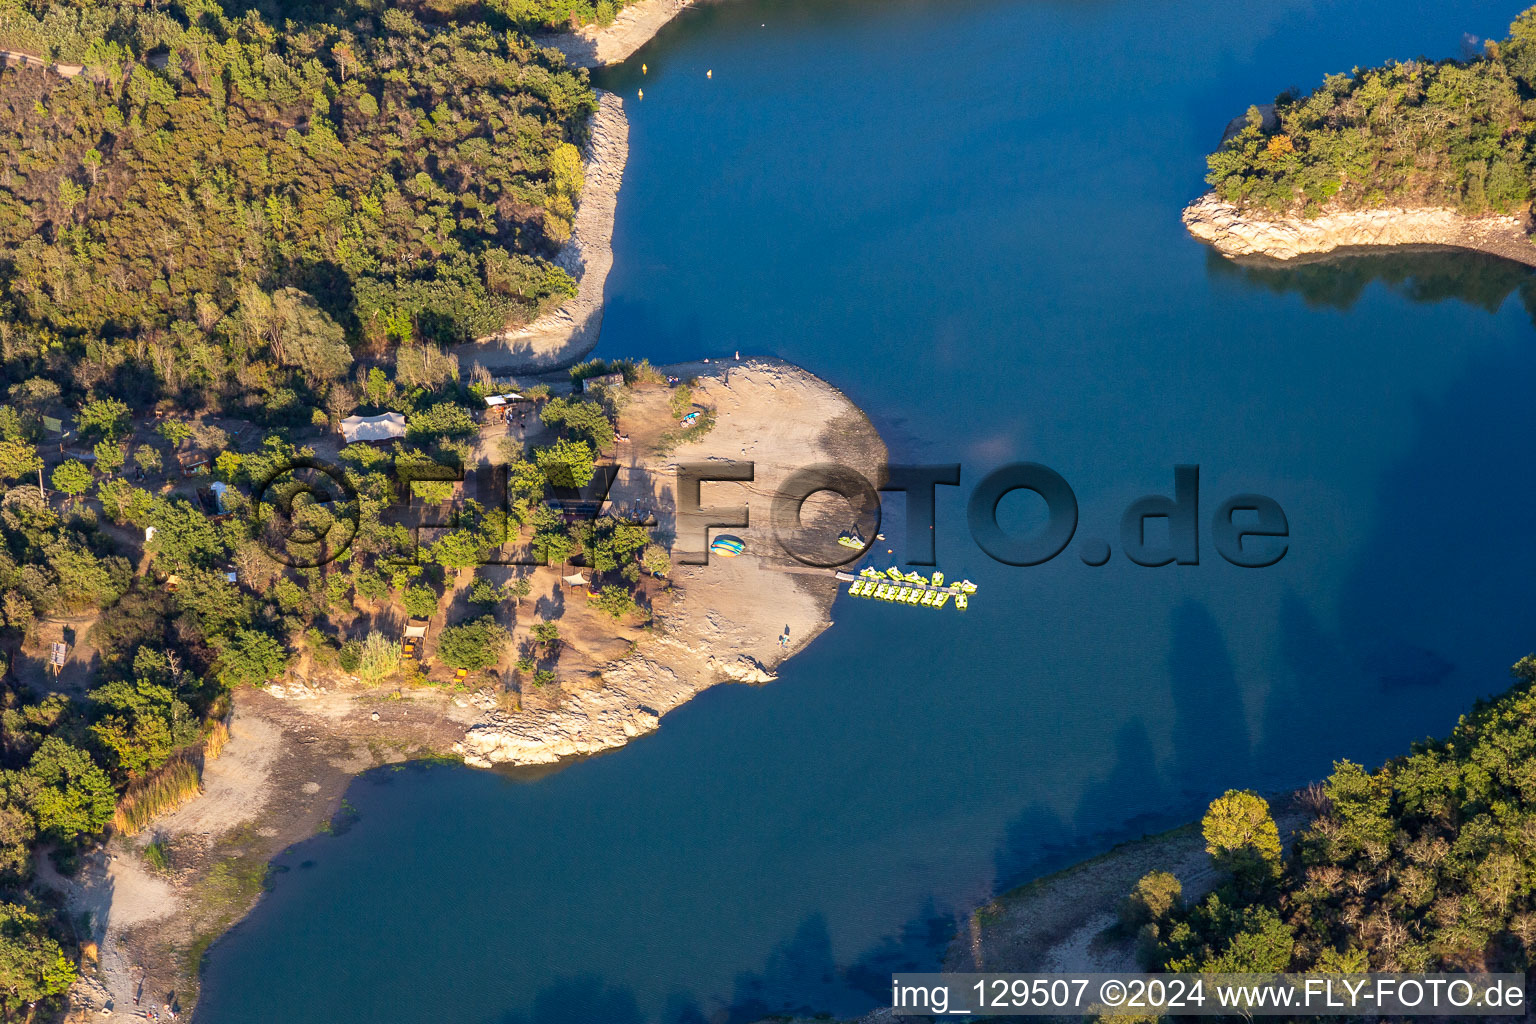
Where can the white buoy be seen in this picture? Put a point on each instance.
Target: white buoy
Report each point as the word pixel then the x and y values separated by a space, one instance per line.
pixel 710 73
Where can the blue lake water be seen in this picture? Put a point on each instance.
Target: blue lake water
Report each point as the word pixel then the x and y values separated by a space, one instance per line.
pixel 965 214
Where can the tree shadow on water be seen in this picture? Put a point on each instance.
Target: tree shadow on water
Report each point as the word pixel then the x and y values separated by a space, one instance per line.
pixel 1039 840
pixel 1210 730
pixel 582 999
pixel 1338 280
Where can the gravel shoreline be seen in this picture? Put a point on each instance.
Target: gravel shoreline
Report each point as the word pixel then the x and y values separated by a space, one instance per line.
pixel 571 331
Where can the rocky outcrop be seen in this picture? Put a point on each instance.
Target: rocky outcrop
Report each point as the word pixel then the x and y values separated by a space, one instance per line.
pixel 587 723
pixel 1235 232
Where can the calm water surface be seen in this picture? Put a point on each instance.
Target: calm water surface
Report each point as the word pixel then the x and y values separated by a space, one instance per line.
pixel 965 214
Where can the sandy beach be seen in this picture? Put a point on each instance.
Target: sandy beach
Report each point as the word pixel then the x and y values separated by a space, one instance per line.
pixel 726 619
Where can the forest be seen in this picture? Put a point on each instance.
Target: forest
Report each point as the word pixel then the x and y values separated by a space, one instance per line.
pixel 223 209
pixel 1427 863
pixel 229 597
pixel 275 214
pixel 1450 133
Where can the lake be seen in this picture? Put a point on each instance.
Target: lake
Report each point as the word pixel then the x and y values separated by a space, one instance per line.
pixel 966 215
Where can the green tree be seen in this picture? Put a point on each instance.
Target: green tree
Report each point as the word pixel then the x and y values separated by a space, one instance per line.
pixel 298 331
pixel 473 645
pixel 566 463
pixel 18 460
pixel 580 419
pixel 519 588
pixel 552 547
pixel 71 476
pixel 445 420
pixel 656 560
pixel 68 793
pixel 139 725
pixel 109 456
pixel 420 602
pixel 1239 832
pixel 147 458
pixel 33 966
pixel 1156 895
pixel 458 549
pixel 184 537
pixel 175 432
pixel 17 834
pixel 103 418
pixel 251 657
pixel 1262 945
pixel 547 635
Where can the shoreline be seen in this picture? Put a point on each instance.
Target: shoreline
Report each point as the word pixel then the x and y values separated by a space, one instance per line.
pixel 569 332
pixel 593 46
pixel 298 744
pixel 724 622
pixel 297 747
pixel 1236 234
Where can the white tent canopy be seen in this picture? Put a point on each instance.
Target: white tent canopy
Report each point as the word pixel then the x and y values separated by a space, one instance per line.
pixel 385 427
pixel 576 580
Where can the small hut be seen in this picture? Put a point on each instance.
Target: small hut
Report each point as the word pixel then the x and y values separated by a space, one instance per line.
pixel 194 462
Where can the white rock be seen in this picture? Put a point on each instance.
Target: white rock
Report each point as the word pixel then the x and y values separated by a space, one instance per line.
pixel 1236 233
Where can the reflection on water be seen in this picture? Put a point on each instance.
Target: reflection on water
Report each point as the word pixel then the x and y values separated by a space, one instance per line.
pixel 1423 275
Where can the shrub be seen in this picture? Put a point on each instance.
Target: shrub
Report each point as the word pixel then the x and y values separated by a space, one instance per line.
pixel 215 741
pixel 616 602
pixel 378 658
pixel 473 645
pixel 156 856
pixel 420 602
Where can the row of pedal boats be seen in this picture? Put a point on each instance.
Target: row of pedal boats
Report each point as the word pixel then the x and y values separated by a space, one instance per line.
pixel 909 588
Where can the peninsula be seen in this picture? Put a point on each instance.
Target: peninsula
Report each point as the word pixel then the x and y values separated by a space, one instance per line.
pixel 1427 153
pixel 255 549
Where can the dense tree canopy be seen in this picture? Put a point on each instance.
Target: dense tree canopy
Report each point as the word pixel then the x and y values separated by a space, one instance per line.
pixel 1446 133
pixel 218 208
pixel 1427 864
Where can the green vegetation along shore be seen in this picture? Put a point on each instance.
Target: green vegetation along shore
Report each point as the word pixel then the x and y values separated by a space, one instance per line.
pixel 1427 863
pixel 1446 133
